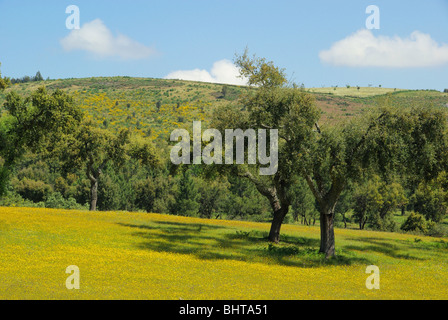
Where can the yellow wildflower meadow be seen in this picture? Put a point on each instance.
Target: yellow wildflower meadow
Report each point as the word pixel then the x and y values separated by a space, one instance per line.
pixel 122 255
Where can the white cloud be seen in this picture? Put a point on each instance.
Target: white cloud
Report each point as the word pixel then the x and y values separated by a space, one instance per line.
pixel 223 71
pixel 96 38
pixel 363 49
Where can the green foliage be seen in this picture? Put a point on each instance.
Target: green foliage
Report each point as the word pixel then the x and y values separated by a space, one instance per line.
pixel 437 230
pixel 416 222
pixel 13 199
pixel 4 82
pixel 303 203
pixel 143 150
pixel 145 194
pixel 187 200
pixel 31 189
pixel 291 111
pixel 243 201
pixel 212 194
pixel 224 91
pixel 57 201
pixel 30 121
pixel 374 202
pixel 281 251
pixel 92 148
pixel 431 199
pixel 260 72
pixel 109 190
pixel 25 79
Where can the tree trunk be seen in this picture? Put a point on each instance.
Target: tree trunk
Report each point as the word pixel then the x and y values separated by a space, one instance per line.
pixel 327 244
pixel 278 200
pixel 93 194
pixel 279 215
pixel 94 176
pixel 384 210
pixel 327 202
pixel 345 221
pixel 362 223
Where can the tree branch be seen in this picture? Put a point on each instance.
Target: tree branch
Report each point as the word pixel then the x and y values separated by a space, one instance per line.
pixel 268 127
pixel 258 184
pixel 363 138
pixel 312 187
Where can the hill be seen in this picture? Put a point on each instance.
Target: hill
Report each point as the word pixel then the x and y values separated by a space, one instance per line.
pixel 154 107
pixel 124 255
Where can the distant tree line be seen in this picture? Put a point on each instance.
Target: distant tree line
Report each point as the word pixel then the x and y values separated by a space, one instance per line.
pixel 24 79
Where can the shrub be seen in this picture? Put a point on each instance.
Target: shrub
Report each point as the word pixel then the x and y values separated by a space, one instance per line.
pixel 416 222
pixel 55 200
pixel 437 230
pixel 31 189
pixel 13 199
pixel 145 194
pixel 431 202
pixel 187 198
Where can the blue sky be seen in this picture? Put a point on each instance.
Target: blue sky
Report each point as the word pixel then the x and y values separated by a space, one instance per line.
pixel 319 43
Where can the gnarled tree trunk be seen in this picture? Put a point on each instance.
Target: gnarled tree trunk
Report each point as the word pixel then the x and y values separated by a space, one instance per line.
pixel 279 216
pixel 94 176
pixel 278 200
pixel 280 205
pixel 327 201
pixel 327 243
pixel 93 193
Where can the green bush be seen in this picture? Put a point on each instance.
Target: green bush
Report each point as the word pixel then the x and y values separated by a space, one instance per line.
pixel 187 198
pixel 13 199
pixel 145 194
pixel 437 230
pixel 417 222
pixel 430 201
pixel 31 189
pixel 55 200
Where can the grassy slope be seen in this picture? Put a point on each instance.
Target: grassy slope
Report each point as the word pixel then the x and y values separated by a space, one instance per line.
pixel 353 91
pixel 131 102
pixel 150 256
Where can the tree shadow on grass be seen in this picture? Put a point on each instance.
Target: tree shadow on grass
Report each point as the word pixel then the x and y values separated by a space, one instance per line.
pixel 382 246
pixel 210 242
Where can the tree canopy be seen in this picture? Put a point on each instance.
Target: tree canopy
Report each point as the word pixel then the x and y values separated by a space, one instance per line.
pixel 30 121
pixel 272 105
pixel 386 141
pixel 92 148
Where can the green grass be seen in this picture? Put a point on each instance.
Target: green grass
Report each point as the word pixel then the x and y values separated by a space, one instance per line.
pixel 354 92
pixel 125 255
